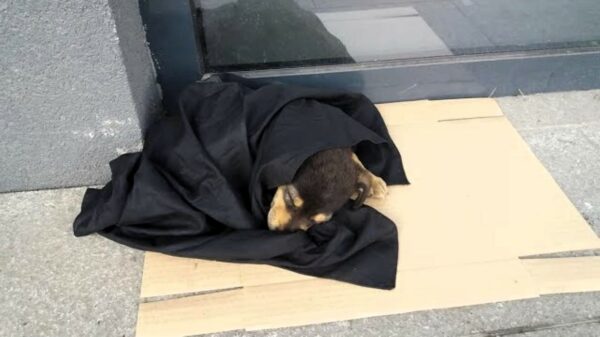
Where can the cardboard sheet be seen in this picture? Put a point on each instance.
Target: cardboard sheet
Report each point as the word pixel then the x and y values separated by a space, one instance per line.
pixel 479 199
pixel 319 300
pixel 185 275
pixel 191 315
pixel 565 275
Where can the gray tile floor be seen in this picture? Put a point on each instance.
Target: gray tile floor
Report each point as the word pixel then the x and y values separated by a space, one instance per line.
pixel 52 284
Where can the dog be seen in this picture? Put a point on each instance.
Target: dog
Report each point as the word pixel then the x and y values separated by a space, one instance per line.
pixel 321 186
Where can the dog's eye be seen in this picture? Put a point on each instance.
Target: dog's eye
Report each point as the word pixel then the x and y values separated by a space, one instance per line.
pixel 320 217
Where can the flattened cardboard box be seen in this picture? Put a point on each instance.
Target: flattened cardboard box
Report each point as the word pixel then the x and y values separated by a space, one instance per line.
pixel 478 200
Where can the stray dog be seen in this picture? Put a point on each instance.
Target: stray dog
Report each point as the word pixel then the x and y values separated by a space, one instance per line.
pixel 322 184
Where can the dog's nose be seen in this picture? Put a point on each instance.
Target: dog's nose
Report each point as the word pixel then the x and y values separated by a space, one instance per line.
pixel 273 226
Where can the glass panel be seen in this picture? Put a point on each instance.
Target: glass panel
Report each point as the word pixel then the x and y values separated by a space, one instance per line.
pixel 259 34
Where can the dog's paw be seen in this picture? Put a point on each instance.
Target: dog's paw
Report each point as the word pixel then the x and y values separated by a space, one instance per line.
pixel 378 188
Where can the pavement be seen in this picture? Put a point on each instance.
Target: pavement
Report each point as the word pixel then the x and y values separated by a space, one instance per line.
pixel 53 284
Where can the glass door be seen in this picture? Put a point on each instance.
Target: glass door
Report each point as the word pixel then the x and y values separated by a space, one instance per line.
pixel 388 49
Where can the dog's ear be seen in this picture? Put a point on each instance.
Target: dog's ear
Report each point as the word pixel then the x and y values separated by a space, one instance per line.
pixel 362 190
pixel 292 196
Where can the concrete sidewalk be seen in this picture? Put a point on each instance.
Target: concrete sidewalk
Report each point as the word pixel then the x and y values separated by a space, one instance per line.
pixel 53 284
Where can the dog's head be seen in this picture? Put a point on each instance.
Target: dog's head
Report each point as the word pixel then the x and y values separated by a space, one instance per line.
pixel 322 185
pixel 291 212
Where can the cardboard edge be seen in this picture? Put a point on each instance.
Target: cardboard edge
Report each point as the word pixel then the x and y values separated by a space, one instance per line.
pixel 425 111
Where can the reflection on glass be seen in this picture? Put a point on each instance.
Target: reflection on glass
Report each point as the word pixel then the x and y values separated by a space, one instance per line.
pixel 258 34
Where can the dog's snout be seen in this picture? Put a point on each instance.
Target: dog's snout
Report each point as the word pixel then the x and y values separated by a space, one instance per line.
pixel 279 217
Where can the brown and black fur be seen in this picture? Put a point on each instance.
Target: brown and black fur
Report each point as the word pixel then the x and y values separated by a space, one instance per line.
pixel 324 182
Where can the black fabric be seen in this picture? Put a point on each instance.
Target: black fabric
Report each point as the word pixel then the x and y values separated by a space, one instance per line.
pixel 203 183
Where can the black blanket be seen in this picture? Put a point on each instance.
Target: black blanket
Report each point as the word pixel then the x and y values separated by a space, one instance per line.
pixel 203 184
